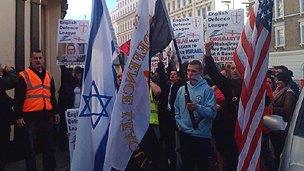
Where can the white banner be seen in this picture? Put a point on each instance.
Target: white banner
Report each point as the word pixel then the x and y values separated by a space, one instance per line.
pixel 73 31
pixel 224 28
pixel 72 38
pixel 71 117
pixel 189 34
pixel 130 117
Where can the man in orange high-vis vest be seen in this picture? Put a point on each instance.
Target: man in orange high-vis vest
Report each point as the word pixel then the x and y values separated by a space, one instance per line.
pixel 36 110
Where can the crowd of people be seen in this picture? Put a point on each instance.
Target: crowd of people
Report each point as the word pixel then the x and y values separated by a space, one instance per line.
pixel 206 140
pixel 194 110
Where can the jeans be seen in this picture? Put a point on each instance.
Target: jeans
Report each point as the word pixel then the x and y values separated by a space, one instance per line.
pixel 277 139
pixel 4 145
pixel 41 130
pixel 195 152
pixel 266 157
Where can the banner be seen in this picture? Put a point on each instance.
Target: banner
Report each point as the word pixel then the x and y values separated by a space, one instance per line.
pixel 224 28
pixel 71 117
pixel 189 34
pixel 72 38
pixel 130 117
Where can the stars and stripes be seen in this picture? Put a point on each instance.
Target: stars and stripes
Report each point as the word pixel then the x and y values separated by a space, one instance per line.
pixel 251 58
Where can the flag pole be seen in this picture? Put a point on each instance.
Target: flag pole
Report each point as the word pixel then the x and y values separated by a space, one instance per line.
pixel 121 58
pixel 183 77
pixel 187 95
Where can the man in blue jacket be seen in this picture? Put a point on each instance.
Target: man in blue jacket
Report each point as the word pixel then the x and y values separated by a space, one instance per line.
pixel 195 143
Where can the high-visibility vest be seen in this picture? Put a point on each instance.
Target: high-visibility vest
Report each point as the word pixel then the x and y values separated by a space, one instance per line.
pixel 38 93
pixel 153 114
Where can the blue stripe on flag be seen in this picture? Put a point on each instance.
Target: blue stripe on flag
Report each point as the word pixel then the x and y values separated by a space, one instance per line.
pixel 113 46
pixel 96 19
pixel 101 152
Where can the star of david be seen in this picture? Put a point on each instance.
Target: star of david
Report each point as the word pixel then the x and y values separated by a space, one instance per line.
pixel 103 102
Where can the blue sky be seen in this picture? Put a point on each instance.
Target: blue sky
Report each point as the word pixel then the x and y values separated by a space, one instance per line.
pixel 80 9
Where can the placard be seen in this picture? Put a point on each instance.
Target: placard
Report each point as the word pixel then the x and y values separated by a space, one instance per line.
pixel 189 34
pixel 71 116
pixel 224 28
pixel 72 41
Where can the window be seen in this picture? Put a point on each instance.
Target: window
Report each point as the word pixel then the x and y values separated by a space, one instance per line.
pixel 302 32
pixel 189 1
pixel 190 14
pixel 301 5
pixel 184 2
pixel 204 13
pixel 168 7
pixel 279 8
pixel 201 11
pixel 173 6
pixel 279 36
pixel 178 4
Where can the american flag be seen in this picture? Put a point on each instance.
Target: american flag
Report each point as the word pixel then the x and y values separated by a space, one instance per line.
pixel 251 59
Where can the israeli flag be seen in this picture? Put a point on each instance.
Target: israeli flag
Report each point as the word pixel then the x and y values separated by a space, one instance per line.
pixel 98 93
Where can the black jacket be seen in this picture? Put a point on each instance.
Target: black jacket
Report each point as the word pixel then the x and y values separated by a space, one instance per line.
pixel 231 88
pixel 66 91
pixel 165 86
pixel 7 81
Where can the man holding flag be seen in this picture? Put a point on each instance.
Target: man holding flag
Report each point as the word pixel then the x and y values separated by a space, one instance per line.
pixel 98 93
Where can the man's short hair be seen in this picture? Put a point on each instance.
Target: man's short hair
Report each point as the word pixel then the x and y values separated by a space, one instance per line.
pixel 177 72
pixel 78 70
pixel 71 44
pixel 36 51
pixel 198 63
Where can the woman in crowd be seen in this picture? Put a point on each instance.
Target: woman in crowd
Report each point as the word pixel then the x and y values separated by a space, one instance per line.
pixel 283 104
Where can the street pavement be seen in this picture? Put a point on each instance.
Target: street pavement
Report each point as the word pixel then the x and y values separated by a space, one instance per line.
pixel 62 159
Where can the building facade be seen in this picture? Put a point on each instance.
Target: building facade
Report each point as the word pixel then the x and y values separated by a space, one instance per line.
pixel 194 8
pixel 287 47
pixel 123 16
pixel 28 25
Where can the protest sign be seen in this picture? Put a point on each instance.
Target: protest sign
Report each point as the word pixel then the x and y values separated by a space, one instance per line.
pixel 72 41
pixel 189 34
pixel 224 28
pixel 71 116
